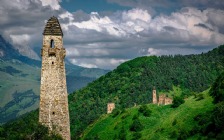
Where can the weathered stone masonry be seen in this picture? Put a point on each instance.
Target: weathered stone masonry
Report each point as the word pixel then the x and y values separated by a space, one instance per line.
pixel 54 111
pixel 154 97
pixel 163 100
pixel 110 107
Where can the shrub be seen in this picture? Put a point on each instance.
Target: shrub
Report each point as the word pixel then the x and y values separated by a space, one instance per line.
pixel 136 136
pixel 115 112
pixel 1 131
pixel 115 137
pixel 135 117
pixel 219 116
pixel 96 137
pixel 177 101
pixel 174 122
pixel 174 134
pixel 42 134
pixel 183 134
pixel 147 113
pixel 136 126
pixel 220 136
pixel 125 116
pixel 145 110
pixel 217 89
pixel 122 134
pixel 204 122
pixel 116 126
pixel 123 110
pixel 200 97
pixel 142 108
pixel 195 130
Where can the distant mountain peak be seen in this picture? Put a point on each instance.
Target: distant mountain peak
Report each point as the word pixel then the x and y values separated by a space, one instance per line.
pixel 7 51
pixel 27 51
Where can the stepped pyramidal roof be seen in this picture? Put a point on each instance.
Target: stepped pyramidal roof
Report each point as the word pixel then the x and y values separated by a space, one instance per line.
pixel 53 27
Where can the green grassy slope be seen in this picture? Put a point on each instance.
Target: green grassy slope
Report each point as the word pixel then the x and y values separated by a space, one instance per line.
pixel 16 76
pixel 164 123
pixel 19 89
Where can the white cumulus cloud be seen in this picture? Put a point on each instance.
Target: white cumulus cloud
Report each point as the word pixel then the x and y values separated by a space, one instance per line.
pixel 54 4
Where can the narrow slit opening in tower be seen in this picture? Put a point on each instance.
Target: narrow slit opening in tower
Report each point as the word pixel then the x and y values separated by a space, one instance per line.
pixel 52 63
pixel 53 112
pixel 52 43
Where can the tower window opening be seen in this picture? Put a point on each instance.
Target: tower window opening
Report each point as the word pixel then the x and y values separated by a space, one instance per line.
pixel 53 63
pixel 52 43
pixel 53 112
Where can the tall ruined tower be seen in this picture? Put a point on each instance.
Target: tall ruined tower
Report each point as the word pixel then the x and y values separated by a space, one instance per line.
pixel 154 97
pixel 54 111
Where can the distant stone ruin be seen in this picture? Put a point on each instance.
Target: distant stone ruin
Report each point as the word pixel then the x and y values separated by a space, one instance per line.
pixel 110 107
pixel 154 97
pixel 163 100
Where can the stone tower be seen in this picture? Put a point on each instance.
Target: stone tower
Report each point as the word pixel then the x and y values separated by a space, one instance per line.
pixel 154 98
pixel 110 107
pixel 54 111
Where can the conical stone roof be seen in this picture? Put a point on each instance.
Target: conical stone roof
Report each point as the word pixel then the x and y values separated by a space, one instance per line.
pixel 53 27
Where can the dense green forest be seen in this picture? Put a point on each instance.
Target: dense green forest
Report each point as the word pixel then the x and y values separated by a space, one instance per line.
pixel 25 128
pixel 131 83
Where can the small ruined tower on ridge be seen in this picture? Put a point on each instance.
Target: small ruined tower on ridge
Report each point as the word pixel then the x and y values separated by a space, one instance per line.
pixel 154 98
pixel 110 107
pixel 54 111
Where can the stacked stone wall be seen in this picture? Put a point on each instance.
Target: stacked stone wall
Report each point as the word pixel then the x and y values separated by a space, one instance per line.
pixel 168 101
pixel 163 100
pixel 54 111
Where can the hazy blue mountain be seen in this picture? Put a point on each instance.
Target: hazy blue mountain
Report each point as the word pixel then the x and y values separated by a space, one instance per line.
pixel 20 81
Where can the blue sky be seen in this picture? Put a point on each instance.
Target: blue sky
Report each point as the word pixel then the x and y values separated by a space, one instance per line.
pixel 89 6
pixel 106 33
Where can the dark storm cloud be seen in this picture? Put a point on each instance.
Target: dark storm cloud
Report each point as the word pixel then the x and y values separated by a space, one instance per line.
pixel 203 26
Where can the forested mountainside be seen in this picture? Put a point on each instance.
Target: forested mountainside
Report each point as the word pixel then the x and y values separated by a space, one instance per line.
pixel 196 118
pixel 199 117
pixel 131 83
